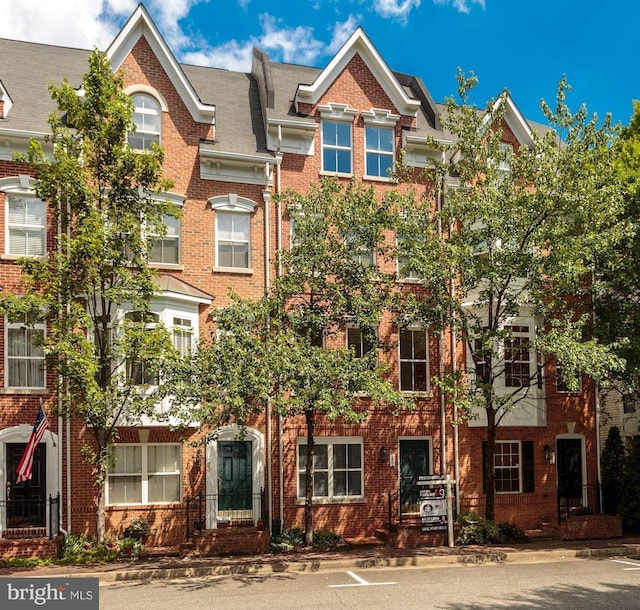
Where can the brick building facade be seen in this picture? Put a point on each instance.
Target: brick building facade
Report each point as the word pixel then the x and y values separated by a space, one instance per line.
pixel 231 141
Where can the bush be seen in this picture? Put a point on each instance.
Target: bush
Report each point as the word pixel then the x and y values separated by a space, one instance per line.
pixel 290 539
pixel 138 529
pixel 82 550
pixel 474 529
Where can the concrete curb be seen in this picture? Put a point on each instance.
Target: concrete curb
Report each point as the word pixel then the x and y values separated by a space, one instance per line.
pixel 334 565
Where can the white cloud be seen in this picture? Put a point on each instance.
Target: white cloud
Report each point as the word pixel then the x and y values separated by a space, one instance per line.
pixel 232 55
pixel 341 33
pixel 462 5
pixel 72 23
pixel 396 9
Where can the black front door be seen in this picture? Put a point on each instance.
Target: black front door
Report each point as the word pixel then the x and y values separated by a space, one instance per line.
pixel 26 501
pixel 569 460
pixel 414 462
pixel 234 475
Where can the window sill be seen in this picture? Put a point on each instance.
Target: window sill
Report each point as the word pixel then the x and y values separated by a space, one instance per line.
pixel 409 280
pixel 171 266
pixel 238 270
pixel 26 391
pixel 15 257
pixel 377 178
pixel 414 394
pixel 139 506
pixel 336 174
pixel 338 500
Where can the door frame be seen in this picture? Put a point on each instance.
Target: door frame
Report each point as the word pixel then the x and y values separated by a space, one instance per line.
pixel 234 433
pixel 429 441
pixel 583 460
pixel 20 434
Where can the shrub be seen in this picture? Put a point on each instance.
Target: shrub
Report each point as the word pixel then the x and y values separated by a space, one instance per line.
pixel 474 529
pixel 138 529
pixel 290 539
pixel 83 550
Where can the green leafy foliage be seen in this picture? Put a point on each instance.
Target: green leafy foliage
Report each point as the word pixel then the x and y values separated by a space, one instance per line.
pixel 521 230
pixel 629 506
pixel 475 529
pixel 612 464
pixel 104 199
pixel 294 538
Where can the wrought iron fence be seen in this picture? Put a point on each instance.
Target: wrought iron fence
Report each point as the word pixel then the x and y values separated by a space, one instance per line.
pixel 586 500
pixel 31 514
pixel 224 509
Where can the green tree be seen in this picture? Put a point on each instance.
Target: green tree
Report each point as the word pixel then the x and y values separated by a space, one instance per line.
pixel 522 230
pixel 285 348
pixel 629 506
pixel 102 196
pixel 613 464
pixel 618 271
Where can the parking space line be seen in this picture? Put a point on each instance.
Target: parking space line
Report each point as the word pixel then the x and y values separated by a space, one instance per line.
pixel 361 582
pixel 630 563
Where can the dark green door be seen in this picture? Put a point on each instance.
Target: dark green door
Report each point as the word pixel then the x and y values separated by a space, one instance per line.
pixel 569 459
pixel 26 501
pixel 234 475
pixel 414 463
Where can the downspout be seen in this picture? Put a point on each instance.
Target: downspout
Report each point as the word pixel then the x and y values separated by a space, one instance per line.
pixel 266 194
pixel 61 435
pixel 443 401
pixel 68 397
pixel 597 406
pixel 279 271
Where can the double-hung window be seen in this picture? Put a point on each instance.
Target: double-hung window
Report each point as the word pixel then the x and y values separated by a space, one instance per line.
pixel 142 370
pixel 337 468
pixel 378 151
pixel 336 147
pixel 147 117
pixel 513 466
pixel 517 357
pixel 166 249
pixel 26 221
pixel 233 231
pixel 358 341
pixel 406 270
pixel 145 474
pixel 414 360
pixel 24 356
pixel 182 335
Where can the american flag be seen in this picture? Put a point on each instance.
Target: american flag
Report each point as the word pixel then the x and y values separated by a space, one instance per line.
pixel 25 467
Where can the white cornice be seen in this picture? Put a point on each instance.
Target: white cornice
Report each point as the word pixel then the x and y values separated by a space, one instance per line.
pixel 359 44
pixel 514 119
pixel 141 25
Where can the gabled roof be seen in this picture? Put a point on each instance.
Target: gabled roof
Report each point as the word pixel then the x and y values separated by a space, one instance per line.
pixel 6 98
pixel 514 119
pixel 358 44
pixel 140 24
pixel 176 288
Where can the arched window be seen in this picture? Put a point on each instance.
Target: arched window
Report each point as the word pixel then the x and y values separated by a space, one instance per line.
pixel 148 119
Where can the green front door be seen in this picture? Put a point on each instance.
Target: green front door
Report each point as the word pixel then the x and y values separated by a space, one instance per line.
pixel 235 484
pixel 414 463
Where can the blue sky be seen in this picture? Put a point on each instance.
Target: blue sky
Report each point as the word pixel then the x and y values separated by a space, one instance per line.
pixel 524 46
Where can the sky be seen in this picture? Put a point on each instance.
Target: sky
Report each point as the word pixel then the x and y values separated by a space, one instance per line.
pixel 524 46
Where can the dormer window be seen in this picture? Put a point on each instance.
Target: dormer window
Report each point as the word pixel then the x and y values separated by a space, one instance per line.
pixel 148 119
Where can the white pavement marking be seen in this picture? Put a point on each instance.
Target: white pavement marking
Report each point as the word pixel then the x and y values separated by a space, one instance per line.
pixel 361 582
pixel 629 563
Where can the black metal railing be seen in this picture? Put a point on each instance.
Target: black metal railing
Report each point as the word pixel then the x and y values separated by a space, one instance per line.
pixel 585 500
pixel 406 501
pixel 31 514
pixel 225 509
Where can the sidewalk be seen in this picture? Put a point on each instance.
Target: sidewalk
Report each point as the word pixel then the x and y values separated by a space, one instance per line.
pixel 347 559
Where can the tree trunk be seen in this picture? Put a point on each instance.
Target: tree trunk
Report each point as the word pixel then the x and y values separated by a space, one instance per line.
pixel 101 483
pixel 308 492
pixel 489 466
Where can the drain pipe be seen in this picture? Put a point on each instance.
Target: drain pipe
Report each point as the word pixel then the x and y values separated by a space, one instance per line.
pixel 266 194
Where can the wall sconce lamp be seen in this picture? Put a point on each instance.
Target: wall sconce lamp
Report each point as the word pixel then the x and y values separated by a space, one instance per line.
pixel 199 461
pixel 549 455
pixel 383 455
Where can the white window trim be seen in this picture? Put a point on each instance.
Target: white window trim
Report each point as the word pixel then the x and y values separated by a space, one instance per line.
pixel 420 328
pixel 144 474
pixel 350 326
pixel 7 325
pixel 336 113
pixel 20 186
pixel 238 205
pixel 331 440
pixel 154 95
pixel 384 119
pixel 496 468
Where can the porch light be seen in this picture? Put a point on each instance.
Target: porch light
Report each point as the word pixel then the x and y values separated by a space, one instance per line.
pixel 383 455
pixel 549 455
